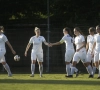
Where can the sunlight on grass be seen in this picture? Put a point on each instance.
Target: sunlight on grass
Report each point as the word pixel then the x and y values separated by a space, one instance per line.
pixel 48 82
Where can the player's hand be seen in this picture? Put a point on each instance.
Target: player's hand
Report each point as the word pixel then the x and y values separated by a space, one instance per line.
pixel 25 54
pixel 92 55
pixel 77 50
pixel 49 45
pixel 91 52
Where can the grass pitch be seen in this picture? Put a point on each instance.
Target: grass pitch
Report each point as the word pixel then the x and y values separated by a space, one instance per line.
pixel 48 82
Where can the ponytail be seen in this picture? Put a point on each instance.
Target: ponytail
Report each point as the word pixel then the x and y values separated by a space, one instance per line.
pixel 69 31
pixel 79 30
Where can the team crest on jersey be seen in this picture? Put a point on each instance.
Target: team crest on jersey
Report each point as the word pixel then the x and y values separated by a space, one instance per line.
pixel 68 35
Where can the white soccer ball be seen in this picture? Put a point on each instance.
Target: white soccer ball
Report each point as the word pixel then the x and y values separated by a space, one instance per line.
pixel 16 57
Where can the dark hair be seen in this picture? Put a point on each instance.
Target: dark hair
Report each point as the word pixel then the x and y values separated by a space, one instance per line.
pixel 92 29
pixel 79 30
pixel 68 30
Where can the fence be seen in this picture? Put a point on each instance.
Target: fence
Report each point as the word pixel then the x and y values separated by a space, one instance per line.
pixel 19 37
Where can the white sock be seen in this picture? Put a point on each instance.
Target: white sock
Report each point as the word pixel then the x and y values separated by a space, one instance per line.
pixel 89 69
pixel 32 68
pixel 68 71
pixel 94 70
pixel 7 68
pixel 76 69
pixel 72 70
pixel 99 71
pixel 40 69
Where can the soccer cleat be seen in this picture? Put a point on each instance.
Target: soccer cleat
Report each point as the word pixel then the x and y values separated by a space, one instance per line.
pixel 90 76
pixel 41 76
pixel 69 76
pixel 98 77
pixel 9 75
pixel 77 73
pixel 31 75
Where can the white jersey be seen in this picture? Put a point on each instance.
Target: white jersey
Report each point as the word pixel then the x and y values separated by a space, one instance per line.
pixel 78 42
pixel 97 40
pixel 68 41
pixel 90 40
pixel 3 39
pixel 37 43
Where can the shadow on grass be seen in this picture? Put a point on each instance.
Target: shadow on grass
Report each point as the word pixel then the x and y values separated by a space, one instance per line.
pixel 73 82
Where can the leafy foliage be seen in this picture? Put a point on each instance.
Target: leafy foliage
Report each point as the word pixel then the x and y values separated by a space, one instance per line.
pixel 72 11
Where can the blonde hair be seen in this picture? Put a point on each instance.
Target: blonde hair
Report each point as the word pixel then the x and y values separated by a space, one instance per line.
pixel 2 29
pixel 36 28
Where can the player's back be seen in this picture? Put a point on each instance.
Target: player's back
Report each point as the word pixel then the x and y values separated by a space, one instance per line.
pixel 69 42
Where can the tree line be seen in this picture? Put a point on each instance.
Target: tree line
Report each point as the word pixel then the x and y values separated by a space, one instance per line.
pixel 66 11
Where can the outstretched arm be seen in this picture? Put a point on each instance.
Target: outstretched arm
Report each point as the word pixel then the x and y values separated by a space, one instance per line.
pixel 57 43
pixel 8 43
pixel 51 44
pixel 46 43
pixel 27 48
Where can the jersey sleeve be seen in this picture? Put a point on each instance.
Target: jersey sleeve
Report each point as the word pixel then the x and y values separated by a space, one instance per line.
pixel 31 40
pixel 82 38
pixel 43 39
pixel 62 40
pixel 5 38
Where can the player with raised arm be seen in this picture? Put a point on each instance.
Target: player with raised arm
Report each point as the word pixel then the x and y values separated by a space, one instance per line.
pixel 80 53
pixel 89 46
pixel 3 40
pixel 37 51
pixel 68 39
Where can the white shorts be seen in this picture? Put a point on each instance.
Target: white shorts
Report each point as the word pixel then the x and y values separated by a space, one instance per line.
pixel 81 55
pixel 96 56
pixel 89 57
pixel 69 55
pixel 37 55
pixel 2 57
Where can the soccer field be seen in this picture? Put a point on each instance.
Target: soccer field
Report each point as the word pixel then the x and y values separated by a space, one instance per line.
pixel 48 82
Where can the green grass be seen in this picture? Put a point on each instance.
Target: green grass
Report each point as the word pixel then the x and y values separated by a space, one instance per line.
pixel 48 82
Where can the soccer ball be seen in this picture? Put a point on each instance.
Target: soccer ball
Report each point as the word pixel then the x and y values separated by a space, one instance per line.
pixel 16 57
